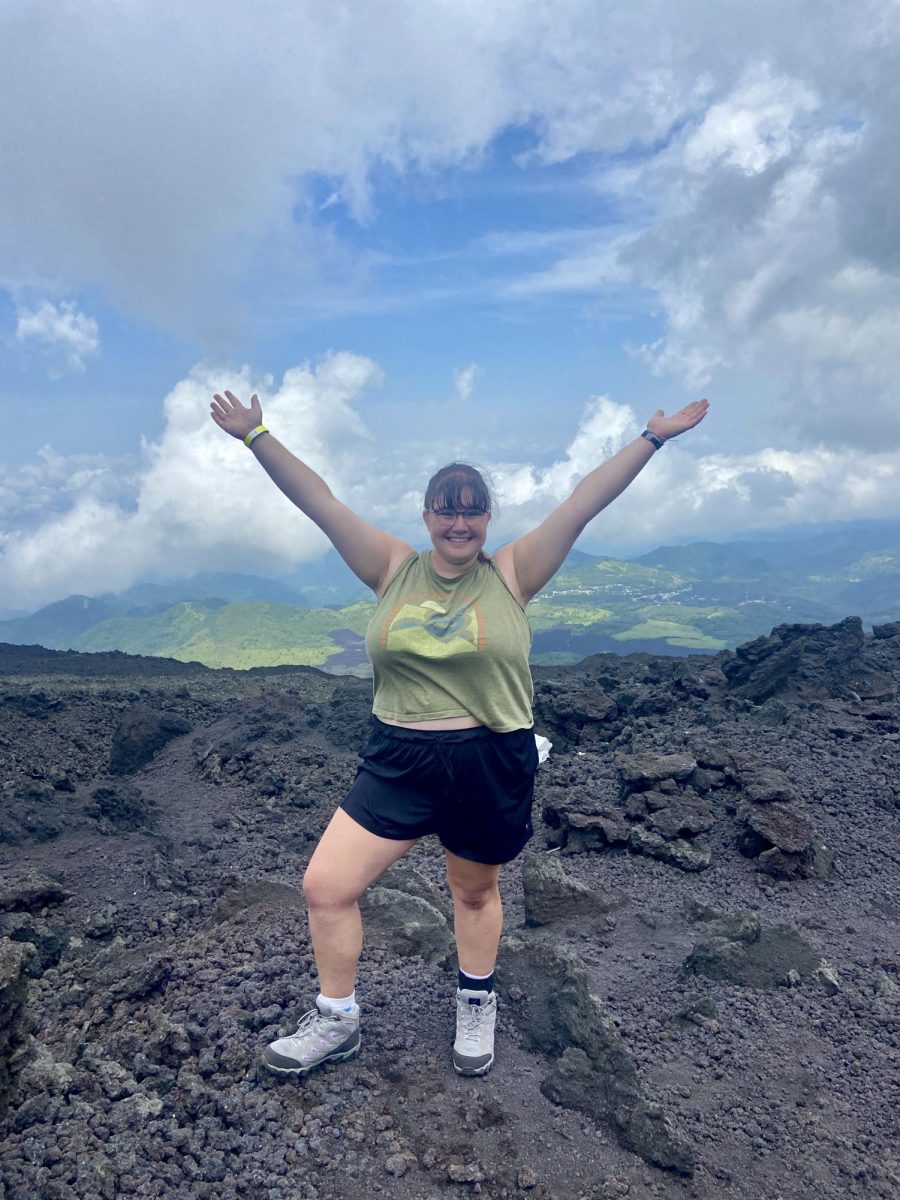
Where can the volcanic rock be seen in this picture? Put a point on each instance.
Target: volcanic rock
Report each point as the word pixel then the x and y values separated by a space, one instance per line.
pixel 738 950
pixel 48 940
pixel 146 978
pixel 774 825
pixel 403 877
pixel 576 716
pixel 594 1072
pixel 27 890
pixel 784 841
pixel 574 1082
pixel 789 1088
pixel 119 807
pixel 805 662
pixel 639 772
pixel 140 735
pixel 13 987
pixel 406 925
pixel 694 855
pixel 43 1075
pixel 763 785
pixel 682 818
pixel 551 894
pixel 590 831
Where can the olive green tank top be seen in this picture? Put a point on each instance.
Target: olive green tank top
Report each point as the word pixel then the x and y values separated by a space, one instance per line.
pixel 451 648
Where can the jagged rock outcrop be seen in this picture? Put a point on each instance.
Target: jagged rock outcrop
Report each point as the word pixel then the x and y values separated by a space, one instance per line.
pixel 668 815
pixel 667 802
pixel 119 807
pixel 141 734
pixel 577 716
pixel 783 842
pixel 47 937
pixel 774 828
pixel 659 813
pixel 641 772
pixel 14 958
pixel 28 890
pixel 551 894
pixel 594 1072
pixel 25 898
pixel 805 662
pixel 739 950
pixel 575 832
pixel 403 877
pixel 404 913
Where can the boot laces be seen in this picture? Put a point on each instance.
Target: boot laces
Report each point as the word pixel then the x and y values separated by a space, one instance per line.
pixel 472 1019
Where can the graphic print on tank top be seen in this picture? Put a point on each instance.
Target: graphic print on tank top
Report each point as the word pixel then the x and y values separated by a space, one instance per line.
pixel 425 624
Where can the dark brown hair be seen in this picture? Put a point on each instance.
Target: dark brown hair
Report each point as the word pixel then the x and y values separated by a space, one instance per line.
pixel 459 485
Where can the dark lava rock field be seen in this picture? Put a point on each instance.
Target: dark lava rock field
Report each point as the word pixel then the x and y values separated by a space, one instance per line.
pixel 700 979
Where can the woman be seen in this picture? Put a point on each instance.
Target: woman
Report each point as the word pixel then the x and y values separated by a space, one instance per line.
pixel 452 750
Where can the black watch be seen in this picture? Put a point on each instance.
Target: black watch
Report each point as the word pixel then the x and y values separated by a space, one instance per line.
pixel 651 437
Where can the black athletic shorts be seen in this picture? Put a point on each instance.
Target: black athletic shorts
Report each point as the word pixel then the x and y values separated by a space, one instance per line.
pixel 472 787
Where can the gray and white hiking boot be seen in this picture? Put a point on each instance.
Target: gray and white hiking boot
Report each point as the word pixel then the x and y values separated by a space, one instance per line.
pixel 322 1036
pixel 476 1014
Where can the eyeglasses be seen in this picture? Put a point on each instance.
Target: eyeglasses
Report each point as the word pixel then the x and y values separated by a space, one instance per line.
pixel 467 514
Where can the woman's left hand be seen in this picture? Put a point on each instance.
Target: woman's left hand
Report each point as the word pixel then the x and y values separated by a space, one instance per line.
pixel 686 418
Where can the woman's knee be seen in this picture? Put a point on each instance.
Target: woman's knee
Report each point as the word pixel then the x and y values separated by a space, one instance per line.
pixel 474 894
pixel 472 885
pixel 323 888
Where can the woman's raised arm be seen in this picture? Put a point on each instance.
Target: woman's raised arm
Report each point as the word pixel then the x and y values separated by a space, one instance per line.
pixel 532 560
pixel 370 553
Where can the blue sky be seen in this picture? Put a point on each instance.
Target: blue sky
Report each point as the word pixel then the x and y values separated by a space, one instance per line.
pixel 506 232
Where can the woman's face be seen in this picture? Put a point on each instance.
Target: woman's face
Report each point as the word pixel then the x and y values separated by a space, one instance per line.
pixel 457 534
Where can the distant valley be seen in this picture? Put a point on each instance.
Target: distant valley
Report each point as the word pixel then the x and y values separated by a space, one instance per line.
pixel 697 598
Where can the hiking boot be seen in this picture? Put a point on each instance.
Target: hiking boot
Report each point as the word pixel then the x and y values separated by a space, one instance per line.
pixel 322 1036
pixel 473 1050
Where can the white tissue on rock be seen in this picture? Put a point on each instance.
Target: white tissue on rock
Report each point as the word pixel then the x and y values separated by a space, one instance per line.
pixel 544 746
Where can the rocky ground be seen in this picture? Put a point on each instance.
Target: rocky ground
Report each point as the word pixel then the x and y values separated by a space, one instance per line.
pixel 700 985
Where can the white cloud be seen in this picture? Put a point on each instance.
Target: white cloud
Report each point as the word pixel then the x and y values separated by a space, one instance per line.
pixel 754 127
pixel 464 381
pixel 199 499
pixel 40 490
pixel 173 198
pixel 685 494
pixel 764 232
pixel 61 331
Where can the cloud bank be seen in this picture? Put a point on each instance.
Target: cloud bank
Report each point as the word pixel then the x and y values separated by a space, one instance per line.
pixel 749 150
pixel 197 500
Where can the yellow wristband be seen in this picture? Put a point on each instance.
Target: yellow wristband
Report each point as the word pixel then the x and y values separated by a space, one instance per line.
pixel 254 433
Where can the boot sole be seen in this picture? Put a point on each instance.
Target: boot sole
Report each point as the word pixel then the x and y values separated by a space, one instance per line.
pixel 471 1071
pixel 342 1056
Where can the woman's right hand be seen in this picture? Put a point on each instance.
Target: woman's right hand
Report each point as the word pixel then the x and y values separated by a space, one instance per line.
pixel 232 416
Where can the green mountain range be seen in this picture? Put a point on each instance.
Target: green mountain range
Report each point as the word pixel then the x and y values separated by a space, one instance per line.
pixel 700 598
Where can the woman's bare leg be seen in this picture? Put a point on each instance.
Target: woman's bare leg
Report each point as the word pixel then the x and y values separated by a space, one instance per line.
pixel 346 861
pixel 478 913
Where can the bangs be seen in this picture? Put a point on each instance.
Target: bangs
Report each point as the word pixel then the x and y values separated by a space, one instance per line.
pixel 458 486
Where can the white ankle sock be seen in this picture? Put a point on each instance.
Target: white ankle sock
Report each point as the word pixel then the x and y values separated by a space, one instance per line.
pixel 340 1004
